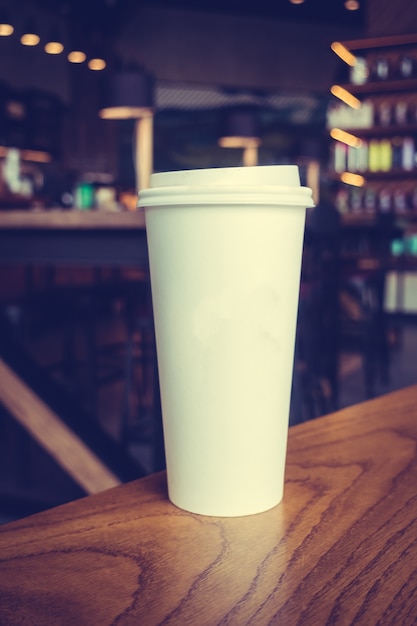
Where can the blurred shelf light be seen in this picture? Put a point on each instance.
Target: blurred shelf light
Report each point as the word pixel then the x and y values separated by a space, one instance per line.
pixel 30 35
pixel 37 156
pixel 76 56
pixel 346 97
pixel 97 64
pixel 352 179
pixel 124 113
pixel 343 53
pixel 352 5
pixel 341 135
pixel 239 142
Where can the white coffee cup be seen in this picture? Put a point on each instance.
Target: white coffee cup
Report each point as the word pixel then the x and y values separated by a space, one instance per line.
pixel 225 249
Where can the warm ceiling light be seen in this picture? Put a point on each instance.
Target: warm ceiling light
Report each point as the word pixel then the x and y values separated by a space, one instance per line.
pixel 54 47
pixel 124 113
pixel 341 135
pixel 54 43
pixel 239 142
pixel 30 39
pixel 343 53
pixel 352 5
pixel 76 56
pixel 97 64
pixel 30 36
pixel 6 30
pixel 346 97
pixel 297 1
pixel 352 179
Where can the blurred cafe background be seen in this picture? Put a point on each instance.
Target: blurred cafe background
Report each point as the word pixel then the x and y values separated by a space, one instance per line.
pixel 97 95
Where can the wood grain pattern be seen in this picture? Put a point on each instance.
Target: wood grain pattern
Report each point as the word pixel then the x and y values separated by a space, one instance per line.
pixel 340 549
pixel 71 219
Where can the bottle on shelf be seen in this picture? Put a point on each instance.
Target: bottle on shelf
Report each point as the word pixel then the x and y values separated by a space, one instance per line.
pixel 401 113
pixel 408 160
pixel 352 158
pixel 399 201
pixel 406 66
pixel 362 156
pixel 413 200
pixel 356 198
pixel 359 73
pixel 397 152
pixel 373 156
pixel 384 200
pixel 385 155
pixel 384 113
pixel 381 69
pixel 369 201
pixel 339 157
pixel 342 201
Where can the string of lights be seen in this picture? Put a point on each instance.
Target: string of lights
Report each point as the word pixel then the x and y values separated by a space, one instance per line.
pixel 350 5
pixel 53 43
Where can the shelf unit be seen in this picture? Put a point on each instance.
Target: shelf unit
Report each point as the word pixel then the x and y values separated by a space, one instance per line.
pixel 382 88
pixel 388 84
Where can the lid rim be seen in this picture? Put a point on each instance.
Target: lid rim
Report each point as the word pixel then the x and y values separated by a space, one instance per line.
pixel 266 184
pixel 303 200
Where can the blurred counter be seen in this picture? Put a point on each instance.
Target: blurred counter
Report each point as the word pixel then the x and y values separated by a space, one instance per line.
pixel 73 237
pixel 74 218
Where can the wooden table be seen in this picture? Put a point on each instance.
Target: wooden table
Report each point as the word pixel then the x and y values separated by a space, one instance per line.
pixel 340 549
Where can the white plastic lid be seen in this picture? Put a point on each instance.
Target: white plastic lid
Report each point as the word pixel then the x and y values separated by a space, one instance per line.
pixel 266 184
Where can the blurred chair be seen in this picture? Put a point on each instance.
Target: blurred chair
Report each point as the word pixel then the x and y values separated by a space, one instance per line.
pixel 316 361
pixel 363 324
pixel 98 328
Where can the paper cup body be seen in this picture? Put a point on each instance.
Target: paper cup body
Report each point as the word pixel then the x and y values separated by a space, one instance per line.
pixel 225 251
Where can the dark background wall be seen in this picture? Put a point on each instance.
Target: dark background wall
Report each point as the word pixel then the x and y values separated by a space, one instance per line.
pixel 193 47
